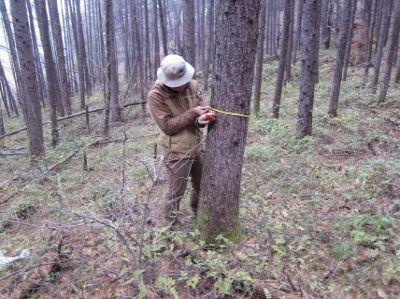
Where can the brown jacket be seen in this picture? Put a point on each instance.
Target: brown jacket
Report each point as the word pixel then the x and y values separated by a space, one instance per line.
pixel 173 113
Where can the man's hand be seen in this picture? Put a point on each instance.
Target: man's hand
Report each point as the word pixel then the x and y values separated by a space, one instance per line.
pixel 206 118
pixel 200 110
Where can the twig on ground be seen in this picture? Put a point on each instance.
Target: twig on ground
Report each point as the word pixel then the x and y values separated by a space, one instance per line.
pixel 14 154
pixel 108 224
pixel 20 189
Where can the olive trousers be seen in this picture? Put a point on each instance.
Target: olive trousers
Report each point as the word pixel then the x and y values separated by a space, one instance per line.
pixel 178 173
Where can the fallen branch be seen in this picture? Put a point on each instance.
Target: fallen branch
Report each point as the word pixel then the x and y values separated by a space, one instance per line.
pixel 30 268
pixel 13 154
pixel 48 170
pixel 69 117
pixel 108 224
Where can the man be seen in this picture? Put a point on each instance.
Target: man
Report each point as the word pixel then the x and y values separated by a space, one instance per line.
pixel 175 104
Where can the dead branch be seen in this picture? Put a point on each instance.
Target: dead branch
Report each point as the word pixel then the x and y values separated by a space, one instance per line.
pixel 108 224
pixel 31 268
pixel 54 166
pixel 69 117
pixel 13 154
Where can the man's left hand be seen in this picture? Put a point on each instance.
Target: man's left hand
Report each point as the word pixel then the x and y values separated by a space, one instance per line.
pixel 206 118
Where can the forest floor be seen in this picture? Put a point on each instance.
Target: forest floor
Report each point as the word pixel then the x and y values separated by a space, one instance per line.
pixel 320 216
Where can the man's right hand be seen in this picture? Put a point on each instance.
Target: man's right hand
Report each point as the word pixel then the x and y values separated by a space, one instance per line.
pixel 200 110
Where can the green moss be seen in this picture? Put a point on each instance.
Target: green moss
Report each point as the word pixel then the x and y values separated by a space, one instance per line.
pixel 232 234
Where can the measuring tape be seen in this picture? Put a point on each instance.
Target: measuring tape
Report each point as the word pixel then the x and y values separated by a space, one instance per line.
pixel 230 113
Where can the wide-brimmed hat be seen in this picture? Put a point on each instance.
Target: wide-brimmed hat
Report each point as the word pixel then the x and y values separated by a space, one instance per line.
pixel 175 71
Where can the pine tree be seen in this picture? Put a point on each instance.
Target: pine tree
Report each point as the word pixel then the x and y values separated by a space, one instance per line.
pixel 236 28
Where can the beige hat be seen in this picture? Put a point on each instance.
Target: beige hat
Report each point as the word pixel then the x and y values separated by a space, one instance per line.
pixel 175 71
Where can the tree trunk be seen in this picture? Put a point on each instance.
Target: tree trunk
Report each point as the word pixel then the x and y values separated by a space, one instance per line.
pixel 318 32
pixel 69 48
pixel 58 42
pixel 387 9
pixel 309 55
pixel 79 56
pixel 138 53
pixel 13 53
pixel 394 41
pixel 82 47
pixel 210 44
pixel 337 79
pixel 123 13
pixel 282 60
pixel 348 45
pixel 39 68
pixel 33 115
pixel 290 44
pixel 4 97
pixel 163 27
pixel 275 28
pixel 7 93
pixel 202 36
pixel 156 40
pixel 148 63
pixel 50 66
pixel 2 128
pixel 112 73
pixel 259 59
pixel 236 27
pixel 371 20
pixel 298 29
pixel 189 32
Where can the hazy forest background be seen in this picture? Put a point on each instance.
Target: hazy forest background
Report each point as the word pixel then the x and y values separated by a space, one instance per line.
pixel 317 165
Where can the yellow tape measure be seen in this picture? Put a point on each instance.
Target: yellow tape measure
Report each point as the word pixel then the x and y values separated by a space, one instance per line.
pixel 230 113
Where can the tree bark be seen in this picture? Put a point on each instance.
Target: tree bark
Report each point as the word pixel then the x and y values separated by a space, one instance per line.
pixel 148 63
pixel 33 115
pixel 79 56
pixel 371 21
pixel 348 45
pixel 382 41
pixel 288 73
pixel 39 68
pixel 3 96
pixel 394 41
pixel 282 60
pixel 13 53
pixel 156 40
pixel 138 53
pixel 50 66
pixel 236 27
pixel 163 27
pixel 2 128
pixel 189 32
pixel 82 47
pixel 7 93
pixel 259 59
pixel 59 49
pixel 112 74
pixel 123 12
pixel 202 36
pixel 298 29
pixel 309 55
pixel 337 79
pixel 210 44
pixel 325 22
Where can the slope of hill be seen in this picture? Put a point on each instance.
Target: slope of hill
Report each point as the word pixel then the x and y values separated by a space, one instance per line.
pixel 320 216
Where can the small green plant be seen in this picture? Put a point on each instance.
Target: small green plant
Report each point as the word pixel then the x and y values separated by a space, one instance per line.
pixel 371 228
pixel 167 284
pixel 342 250
pixel 223 286
pixel 22 209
